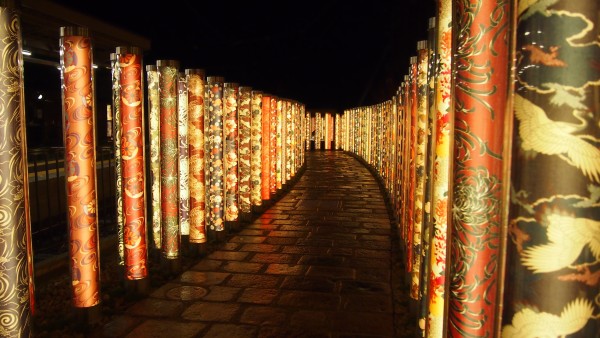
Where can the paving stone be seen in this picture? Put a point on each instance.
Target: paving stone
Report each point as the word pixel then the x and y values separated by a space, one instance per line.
pixel 247 239
pixel 251 232
pixel 231 331
pixel 306 283
pixel 310 319
pixel 273 258
pixel 203 277
pixel 322 260
pixel 355 286
pixel 379 238
pixel 367 303
pixel 162 291
pixel 285 269
pixel 263 315
pixel 119 326
pixel 281 240
pixel 228 255
pixel 229 246
pixel 260 247
pixel 252 280
pixel 279 332
pixel 280 233
pixel 207 265
pixel 221 293
pixel 368 262
pixel 373 275
pixel 314 250
pixel 243 267
pixel 309 300
pixel 166 328
pixel 331 272
pixel 315 242
pixel 258 296
pixel 342 251
pixel 153 307
pixel 373 253
pixel 186 293
pixel 212 312
pixel 364 323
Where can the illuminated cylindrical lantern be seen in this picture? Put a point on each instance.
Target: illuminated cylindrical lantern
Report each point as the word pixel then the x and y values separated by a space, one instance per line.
pixel 257 147
pixel 265 191
pixel 133 161
pixel 184 157
pixel 244 149
pixel 230 147
pixel 196 115
pixel 288 144
pixel 481 84
pixel 154 131
pixel 273 146
pixel 422 108
pixel 412 170
pixel 16 298
pixel 280 132
pixel 551 283
pixel 169 153
pixel 216 202
pixel 116 100
pixel 80 164
pixel 292 140
pixel 441 171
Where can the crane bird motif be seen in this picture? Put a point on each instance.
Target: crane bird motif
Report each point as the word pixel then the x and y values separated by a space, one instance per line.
pixel 529 323
pixel 567 237
pixel 543 135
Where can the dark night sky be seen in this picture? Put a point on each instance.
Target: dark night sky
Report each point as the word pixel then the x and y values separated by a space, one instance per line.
pixel 329 54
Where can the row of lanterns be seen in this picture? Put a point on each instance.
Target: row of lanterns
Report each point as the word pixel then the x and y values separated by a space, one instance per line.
pixel 490 154
pixel 218 152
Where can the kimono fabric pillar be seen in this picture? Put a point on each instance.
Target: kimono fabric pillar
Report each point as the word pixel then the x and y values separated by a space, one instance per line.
pixel 265 190
pixel 411 133
pixel 273 147
pixel 80 164
pixel 116 106
pixel 133 162
pixel 280 133
pixel 16 300
pixel 244 151
pixel 154 131
pixel 196 114
pixel 288 145
pixel 216 202
pixel 256 144
pixel 184 158
pixel 169 151
pixel 230 156
pixel 481 95
pixel 441 171
pixel 552 283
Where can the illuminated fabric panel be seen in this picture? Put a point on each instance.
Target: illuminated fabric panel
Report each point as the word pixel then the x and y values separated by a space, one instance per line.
pixel 551 284
pixel 169 153
pixel 80 164
pixel 215 169
pixel 257 147
pixel 17 297
pixel 481 56
pixel 116 105
pixel 133 161
pixel 154 131
pixel 244 150
pixel 230 147
pixel 184 156
pixel 196 86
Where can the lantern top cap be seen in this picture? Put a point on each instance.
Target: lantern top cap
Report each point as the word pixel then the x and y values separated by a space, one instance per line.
pixel 74 31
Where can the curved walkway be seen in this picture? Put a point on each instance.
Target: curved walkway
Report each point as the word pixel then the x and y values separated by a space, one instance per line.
pixel 315 264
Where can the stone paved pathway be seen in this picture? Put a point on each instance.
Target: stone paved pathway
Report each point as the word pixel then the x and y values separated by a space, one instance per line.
pixel 315 264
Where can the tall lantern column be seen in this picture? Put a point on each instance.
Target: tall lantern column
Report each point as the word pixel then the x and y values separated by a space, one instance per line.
pixel 184 156
pixel 154 131
pixel 133 161
pixel 196 116
pixel 273 147
pixel 552 278
pixel 116 111
pixel 265 190
pixel 80 164
pixel 216 198
pixel 244 151
pixel 257 148
pixel 481 95
pixel 230 157
pixel 169 150
pixel 16 300
pixel 441 172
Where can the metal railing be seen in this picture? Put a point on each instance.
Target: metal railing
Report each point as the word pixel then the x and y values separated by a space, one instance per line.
pixel 48 199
